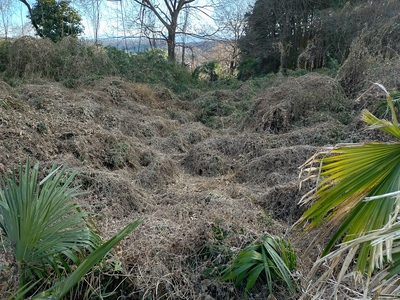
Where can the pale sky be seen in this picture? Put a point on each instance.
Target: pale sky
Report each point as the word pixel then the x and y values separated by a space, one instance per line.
pixel 111 25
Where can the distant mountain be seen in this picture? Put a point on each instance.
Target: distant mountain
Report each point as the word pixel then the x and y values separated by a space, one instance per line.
pixel 134 45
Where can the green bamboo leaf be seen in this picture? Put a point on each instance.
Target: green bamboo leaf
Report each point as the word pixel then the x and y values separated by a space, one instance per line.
pixel 22 291
pixel 249 255
pixel 241 277
pixel 278 263
pixel 267 270
pixel 394 269
pixel 261 259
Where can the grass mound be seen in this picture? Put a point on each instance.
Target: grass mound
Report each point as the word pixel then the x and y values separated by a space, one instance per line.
pixel 275 166
pixel 221 108
pixel 299 101
pixel 206 187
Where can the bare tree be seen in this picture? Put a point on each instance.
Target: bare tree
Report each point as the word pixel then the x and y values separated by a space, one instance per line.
pixel 91 9
pixel 167 13
pixel 6 15
pixel 230 18
pixel 185 24
pixel 148 27
pixel 34 23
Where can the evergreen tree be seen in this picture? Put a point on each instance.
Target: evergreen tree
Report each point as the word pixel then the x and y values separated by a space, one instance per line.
pixel 277 32
pixel 55 20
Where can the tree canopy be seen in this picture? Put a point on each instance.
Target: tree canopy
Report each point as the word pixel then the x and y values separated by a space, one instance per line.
pixel 55 19
pixel 282 35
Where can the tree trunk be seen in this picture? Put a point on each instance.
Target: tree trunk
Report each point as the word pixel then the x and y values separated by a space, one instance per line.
pixel 183 54
pixel 233 62
pixel 283 57
pixel 283 44
pixel 171 44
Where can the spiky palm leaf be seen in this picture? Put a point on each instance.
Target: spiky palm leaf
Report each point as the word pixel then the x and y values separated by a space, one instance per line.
pixel 357 194
pixel 40 224
pixel 45 229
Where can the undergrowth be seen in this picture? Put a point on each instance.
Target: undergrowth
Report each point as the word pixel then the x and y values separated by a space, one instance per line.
pixel 74 63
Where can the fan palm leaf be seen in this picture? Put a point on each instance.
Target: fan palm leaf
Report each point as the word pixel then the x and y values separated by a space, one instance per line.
pixel 40 224
pixel 61 288
pixel 357 196
pixel 351 175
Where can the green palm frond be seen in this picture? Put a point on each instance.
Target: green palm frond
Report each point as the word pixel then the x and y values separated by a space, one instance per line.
pixel 39 222
pixel 357 197
pixel 46 231
pixel 348 177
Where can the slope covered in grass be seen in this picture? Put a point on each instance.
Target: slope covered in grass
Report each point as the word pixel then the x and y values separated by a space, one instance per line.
pixel 211 168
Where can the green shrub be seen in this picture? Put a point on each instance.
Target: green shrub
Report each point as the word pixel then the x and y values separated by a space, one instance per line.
pixel 74 63
pixel 4 54
pixel 257 67
pixel 221 108
pixel 210 70
pixel 116 154
pixel 150 67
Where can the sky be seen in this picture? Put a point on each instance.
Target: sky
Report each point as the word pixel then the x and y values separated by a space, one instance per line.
pixel 112 15
pixel 19 23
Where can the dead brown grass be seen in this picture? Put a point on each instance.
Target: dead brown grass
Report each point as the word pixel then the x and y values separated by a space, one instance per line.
pixel 204 193
pixel 197 229
pixel 31 57
pixel 275 166
pixel 298 101
pixel 374 56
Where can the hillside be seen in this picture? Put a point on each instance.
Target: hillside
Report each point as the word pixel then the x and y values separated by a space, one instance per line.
pixel 210 166
pixel 204 192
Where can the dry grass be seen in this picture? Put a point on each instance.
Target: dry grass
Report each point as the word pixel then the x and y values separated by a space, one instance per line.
pixel 197 230
pixel 298 101
pixel 204 193
pixel 31 57
pixel 275 166
pixel 374 56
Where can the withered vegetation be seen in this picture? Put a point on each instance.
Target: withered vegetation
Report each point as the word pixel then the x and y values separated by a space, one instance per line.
pixel 207 187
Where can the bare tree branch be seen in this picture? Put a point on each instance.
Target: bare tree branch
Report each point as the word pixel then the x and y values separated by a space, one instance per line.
pixel 32 19
pixel 167 13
